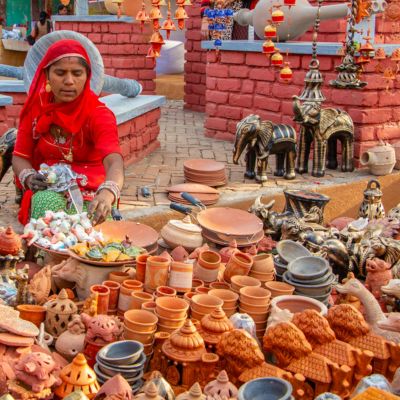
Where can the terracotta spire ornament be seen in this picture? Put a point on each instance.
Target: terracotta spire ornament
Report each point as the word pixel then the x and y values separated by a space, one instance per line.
pixel 194 393
pixel 150 393
pixel 221 387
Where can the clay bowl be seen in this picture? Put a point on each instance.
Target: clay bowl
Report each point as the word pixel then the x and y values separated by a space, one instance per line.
pixel 169 322
pixel 104 377
pixel 142 337
pixel 124 370
pixel 166 329
pixel 308 268
pixel 148 349
pixel 132 284
pixel 310 289
pixel 297 304
pixel 220 285
pixel 202 290
pixel 123 352
pixel 279 288
pixel 196 315
pixel 289 250
pixel 205 303
pixel 140 320
pixel 255 295
pixel 262 277
pixel 138 298
pixel 196 283
pixel 250 308
pixel 313 282
pixel 230 311
pixel 229 298
pixel 149 306
pixel 263 263
pixel 171 307
pixel 280 265
pixel 33 313
pixel 239 281
pixel 188 296
pixel 165 291
pixel 261 325
pixel 257 317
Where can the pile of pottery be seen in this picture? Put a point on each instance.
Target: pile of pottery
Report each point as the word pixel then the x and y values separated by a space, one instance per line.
pixel 125 358
pixel 311 276
pixel 263 268
pixel 206 194
pixel 203 304
pixel 255 301
pixel 171 313
pixel 141 326
pixel 229 298
pixel 241 281
pixel 128 287
pixel 204 171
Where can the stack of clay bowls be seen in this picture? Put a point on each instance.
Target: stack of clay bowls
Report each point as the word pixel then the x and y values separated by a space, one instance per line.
pixel 255 301
pixel 263 268
pixel 171 313
pixel 229 298
pixel 311 276
pixel 204 171
pixel 203 304
pixel 206 194
pixel 240 281
pixel 141 325
pixel 288 250
pixel 138 298
pixel 125 357
pixel 279 288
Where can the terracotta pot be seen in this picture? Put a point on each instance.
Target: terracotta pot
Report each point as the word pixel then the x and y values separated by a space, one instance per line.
pixel 169 322
pixel 296 304
pixel 165 291
pixel 261 325
pixel 279 288
pixel 262 277
pixel 118 276
pixel 33 313
pixel 263 263
pixel 140 320
pixel 207 266
pixel 196 283
pixel 114 288
pixel 205 303
pixel 133 285
pixel 141 267
pixel 156 272
pixel 230 311
pixel 197 315
pixel 188 296
pixel 262 308
pixel 239 264
pixel 103 297
pixel 220 285
pixel 171 307
pixel 148 349
pixel 181 276
pixel 149 306
pixel 239 281
pixel 255 295
pixel 227 296
pixel 138 298
pixel 142 337
pixel 166 329
pixel 257 317
pixel 202 290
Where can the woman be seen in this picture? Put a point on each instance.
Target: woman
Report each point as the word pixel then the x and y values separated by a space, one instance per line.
pixel 42 27
pixel 63 121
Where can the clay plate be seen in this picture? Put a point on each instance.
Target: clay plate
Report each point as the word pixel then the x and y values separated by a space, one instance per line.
pixel 101 263
pixel 10 339
pixel 194 188
pixel 200 165
pixel 229 221
pixel 239 241
pixel 212 183
pixel 205 198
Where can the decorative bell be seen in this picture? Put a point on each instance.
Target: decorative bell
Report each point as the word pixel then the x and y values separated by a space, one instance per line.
pixel 142 16
pixel 286 74
pixel 366 49
pixel 168 25
pixel 268 47
pixel 270 31
pixel 277 59
pixel 277 16
pixel 157 42
pixel 180 16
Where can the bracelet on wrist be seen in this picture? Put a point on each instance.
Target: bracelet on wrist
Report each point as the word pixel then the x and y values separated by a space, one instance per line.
pixel 24 175
pixel 111 187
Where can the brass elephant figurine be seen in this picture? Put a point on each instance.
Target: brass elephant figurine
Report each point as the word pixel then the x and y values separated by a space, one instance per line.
pixel 324 127
pixel 262 138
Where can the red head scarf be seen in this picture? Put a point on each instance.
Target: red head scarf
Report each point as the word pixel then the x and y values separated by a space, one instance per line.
pixel 40 105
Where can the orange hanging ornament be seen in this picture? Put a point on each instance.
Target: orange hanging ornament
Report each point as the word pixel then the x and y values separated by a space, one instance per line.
pixel 142 16
pixel 286 74
pixel 277 59
pixel 157 42
pixel 268 47
pixel 180 16
pixel 270 31
pixel 168 25
pixel 155 15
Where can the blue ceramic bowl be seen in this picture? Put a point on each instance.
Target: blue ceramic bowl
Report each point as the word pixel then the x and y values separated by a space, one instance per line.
pixel 115 371
pixel 105 377
pixel 308 268
pixel 121 353
pixel 129 368
pixel 266 389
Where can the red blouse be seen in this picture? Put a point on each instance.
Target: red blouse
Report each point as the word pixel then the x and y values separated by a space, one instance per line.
pixel 98 139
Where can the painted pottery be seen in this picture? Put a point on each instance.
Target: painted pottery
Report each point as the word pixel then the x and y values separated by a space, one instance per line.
pixel 141 266
pixel 263 263
pixel 156 272
pixel 118 276
pixel 165 291
pixel 114 288
pixel 255 295
pixel 239 264
pixel 173 308
pixel 71 342
pixel 138 298
pixel 33 313
pixel 372 207
pixel 103 298
pixel 221 387
pixel 279 288
pixel 380 159
pixel 207 266
pixel 140 320
pixel 181 276
pixel 266 389
pixel 10 242
pixel 239 281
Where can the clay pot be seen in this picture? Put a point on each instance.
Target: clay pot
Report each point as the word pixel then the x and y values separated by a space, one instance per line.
pixel 230 311
pixel 141 267
pixel 10 242
pixel 263 263
pixel 165 291
pixel 205 303
pixel 279 288
pixel 103 297
pixel 197 315
pixel 171 322
pixel 181 276
pixel 202 290
pixel 128 287
pixel 118 276
pixel 239 281
pixel 149 306
pixel 171 307
pixel 207 266
pixel 220 285
pixel 148 349
pixel 262 277
pixel 32 313
pixel 239 264
pixel 255 295
pixel 380 159
pixel 296 304
pixel 142 337
pixel 254 308
pixel 227 296
pixel 138 298
pixel 188 296
pixel 140 320
pixel 257 317
pixel 196 283
pixel 156 272
pixel 114 288
pixel 133 285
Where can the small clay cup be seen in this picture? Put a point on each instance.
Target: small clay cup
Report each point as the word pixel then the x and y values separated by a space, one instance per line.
pixel 202 290
pixel 169 322
pixel 205 303
pixel 220 285
pixel 279 288
pixel 165 291
pixel 227 296
pixel 263 263
pixel 239 281
pixel 254 308
pixel 118 276
pixel 255 295
pixel 196 283
pixel 149 306
pixel 103 297
pixel 257 317
pixel 33 313
pixel 141 260
pixel 188 297
pixel 239 264
pixel 171 307
pixel 140 320
pixel 138 298
pixel 114 288
pixel 133 285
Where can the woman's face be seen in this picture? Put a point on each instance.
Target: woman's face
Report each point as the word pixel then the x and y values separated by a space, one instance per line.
pixel 67 78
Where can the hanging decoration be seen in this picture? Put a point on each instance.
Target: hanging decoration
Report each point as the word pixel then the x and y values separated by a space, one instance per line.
pixel 277 59
pixel 286 74
pixel 119 4
pixel 277 16
pixel 142 16
pixel 180 14
pixel 155 14
pixel 168 24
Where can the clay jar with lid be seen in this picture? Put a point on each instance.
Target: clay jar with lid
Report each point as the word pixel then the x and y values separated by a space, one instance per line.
pixel 380 159
pixel 181 276
pixel 239 264
pixel 10 242
pixel 114 288
pixel 103 297
pixel 141 260
pixel 156 273
pixel 207 266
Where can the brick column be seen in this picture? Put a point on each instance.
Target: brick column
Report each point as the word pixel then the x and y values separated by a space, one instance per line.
pixel 196 58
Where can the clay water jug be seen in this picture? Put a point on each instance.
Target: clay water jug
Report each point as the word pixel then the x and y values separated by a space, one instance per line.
pixel 380 159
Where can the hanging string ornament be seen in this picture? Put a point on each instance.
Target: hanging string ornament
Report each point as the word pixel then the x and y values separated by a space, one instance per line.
pixel 142 16
pixel 270 31
pixel 277 59
pixel 168 24
pixel 286 74
pixel 268 47
pixel 180 14
pixel 277 16
pixel 366 50
pixel 155 14
pixel 119 4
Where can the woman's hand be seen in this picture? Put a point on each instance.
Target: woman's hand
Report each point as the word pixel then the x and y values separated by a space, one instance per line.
pixel 100 207
pixel 36 182
pixel 204 29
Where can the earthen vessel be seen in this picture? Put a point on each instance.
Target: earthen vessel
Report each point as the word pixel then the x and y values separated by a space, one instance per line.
pixel 380 159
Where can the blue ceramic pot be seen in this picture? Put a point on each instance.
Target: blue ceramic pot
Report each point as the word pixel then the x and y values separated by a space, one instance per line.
pixel 266 389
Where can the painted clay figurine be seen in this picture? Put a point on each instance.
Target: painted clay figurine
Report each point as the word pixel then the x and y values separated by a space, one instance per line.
pixel 378 274
pixel 106 328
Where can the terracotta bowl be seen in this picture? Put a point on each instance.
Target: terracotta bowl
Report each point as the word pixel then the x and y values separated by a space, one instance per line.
pixel 279 288
pixel 297 304
pixel 230 311
pixel 263 263
pixel 149 306
pixel 260 333
pixel 138 298
pixel 148 349
pixel 229 298
pixel 255 316
pixel 142 337
pixel 196 315
pixel 33 313
pixel 254 295
pixel 188 296
pixel 202 290
pixel 205 303
pixel 140 320
pixel 261 325
pixel 239 281
pixel 132 284
pixel 171 307
pixel 167 329
pixel 165 291
pixel 171 323
pixel 262 277
pixel 220 285
pixel 254 308
pixel 196 283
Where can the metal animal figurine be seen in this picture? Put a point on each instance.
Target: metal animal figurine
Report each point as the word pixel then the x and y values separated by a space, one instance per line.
pixel 262 138
pixel 323 126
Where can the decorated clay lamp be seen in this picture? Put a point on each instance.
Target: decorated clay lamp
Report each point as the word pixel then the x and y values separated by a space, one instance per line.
pixel 270 31
pixel 71 342
pixel 157 42
pixel 268 47
pixel 366 49
pixel 277 59
pixel 286 73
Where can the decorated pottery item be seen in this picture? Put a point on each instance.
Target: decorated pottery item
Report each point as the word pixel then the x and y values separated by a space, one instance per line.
pixel 116 386
pixel 71 342
pixel 140 320
pixel 221 387
pixel 226 252
pixel 156 272
pixel 372 207
pixel 33 313
pixel 102 328
pixel 128 287
pixel 163 387
pixel 10 242
pixel 165 291
pixel 141 261
pixel 59 313
pixel 239 264
pixel 179 254
pixel 138 298
pixel 207 266
pixel 77 375
pixel 380 159
pixel 119 276
pixel 263 263
pixel 279 288
pixel 239 281
pixel 378 274
pixel 180 276
pixel 255 295
pixel 172 308
pixel 150 393
pixel 266 389
pixel 121 353
pixel 194 393
pixel 103 298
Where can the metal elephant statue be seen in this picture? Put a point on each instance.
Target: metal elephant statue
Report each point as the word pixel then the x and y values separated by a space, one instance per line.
pixel 262 138
pixel 323 127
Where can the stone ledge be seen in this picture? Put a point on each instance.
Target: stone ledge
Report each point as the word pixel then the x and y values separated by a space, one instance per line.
pixel 92 18
pixel 12 86
pixel 126 108
pixel 5 100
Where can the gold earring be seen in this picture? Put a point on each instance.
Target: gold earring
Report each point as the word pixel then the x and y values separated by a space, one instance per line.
pixel 47 88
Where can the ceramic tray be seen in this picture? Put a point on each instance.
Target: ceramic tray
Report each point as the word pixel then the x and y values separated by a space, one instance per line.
pixel 101 263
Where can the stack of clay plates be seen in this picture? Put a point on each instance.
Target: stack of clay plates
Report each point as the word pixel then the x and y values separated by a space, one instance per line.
pixel 223 224
pixel 206 194
pixel 204 171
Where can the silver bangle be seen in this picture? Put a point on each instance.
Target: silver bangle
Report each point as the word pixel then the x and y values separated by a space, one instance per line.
pixel 24 175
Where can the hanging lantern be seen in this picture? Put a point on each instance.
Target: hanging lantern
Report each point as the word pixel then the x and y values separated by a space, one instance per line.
pixel 366 49
pixel 168 25
pixel 268 47
pixel 151 54
pixel 289 3
pixel 277 59
pixel 286 73
pixel 277 16
pixel 180 16
pixel 155 15
pixel 142 16
pixel 119 4
pixel 270 31
pixel 157 42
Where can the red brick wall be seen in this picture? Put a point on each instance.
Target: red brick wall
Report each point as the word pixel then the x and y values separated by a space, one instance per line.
pixel 123 47
pixel 11 113
pixel 244 83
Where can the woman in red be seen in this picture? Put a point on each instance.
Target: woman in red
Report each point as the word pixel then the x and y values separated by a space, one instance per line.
pixel 63 121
